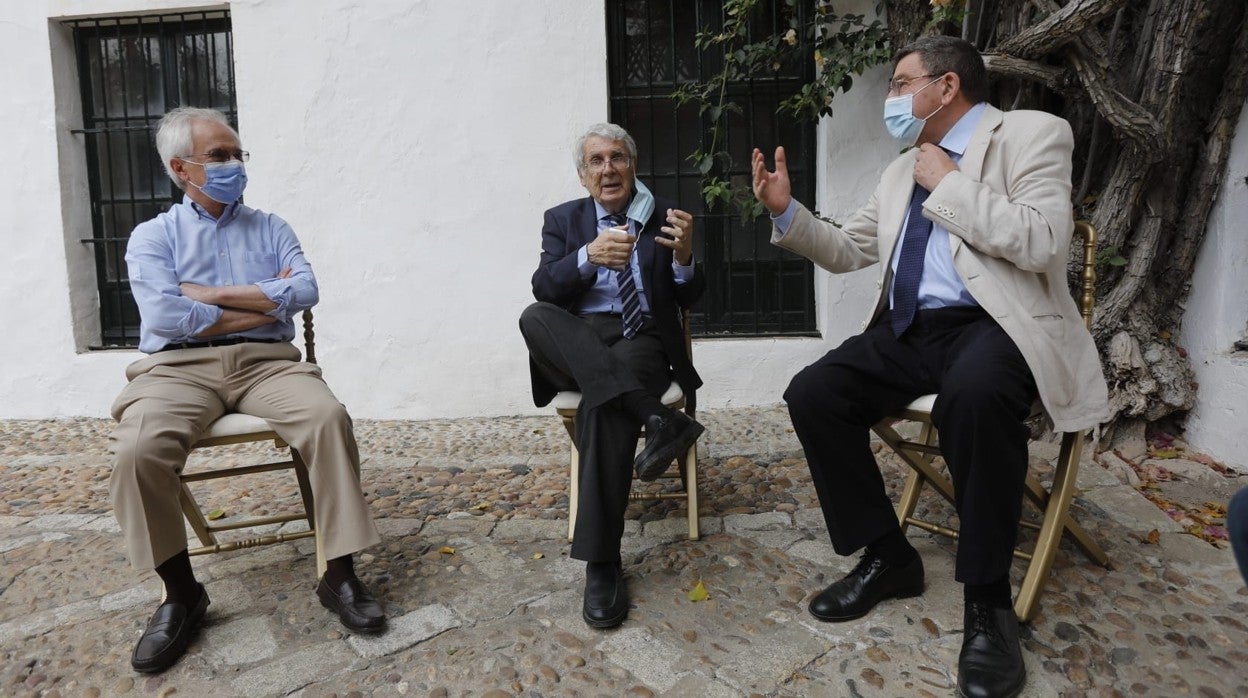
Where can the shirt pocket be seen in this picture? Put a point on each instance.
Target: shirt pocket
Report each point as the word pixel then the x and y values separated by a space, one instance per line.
pixel 260 265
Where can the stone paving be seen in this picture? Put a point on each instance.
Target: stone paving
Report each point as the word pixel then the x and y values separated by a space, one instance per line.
pixel 484 601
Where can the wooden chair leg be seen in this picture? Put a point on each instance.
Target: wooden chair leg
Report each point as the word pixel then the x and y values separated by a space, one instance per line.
pixel 574 476
pixel 689 476
pixel 305 493
pixel 1052 527
pixel 195 516
pixel 1081 538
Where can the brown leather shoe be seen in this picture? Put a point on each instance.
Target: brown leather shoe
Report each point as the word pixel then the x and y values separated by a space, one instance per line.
pixel 356 608
pixel 168 633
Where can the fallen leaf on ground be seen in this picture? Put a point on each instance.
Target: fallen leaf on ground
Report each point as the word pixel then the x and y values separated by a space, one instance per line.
pixel 538 556
pixel 216 514
pixel 480 507
pixel 446 550
pixel 1153 537
pixel 698 592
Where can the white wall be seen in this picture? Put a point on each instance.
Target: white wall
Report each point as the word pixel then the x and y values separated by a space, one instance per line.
pixel 413 146
pixel 1217 313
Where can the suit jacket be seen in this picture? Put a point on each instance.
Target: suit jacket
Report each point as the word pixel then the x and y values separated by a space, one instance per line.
pixel 572 225
pixel 1009 216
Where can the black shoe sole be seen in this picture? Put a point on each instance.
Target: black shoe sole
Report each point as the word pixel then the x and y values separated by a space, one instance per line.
pixel 607 623
pixel 664 456
pixel 171 654
pixel 1012 694
pixel 903 594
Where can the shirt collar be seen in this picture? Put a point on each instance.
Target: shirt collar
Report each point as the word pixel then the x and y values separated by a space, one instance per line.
pixel 639 209
pixel 958 137
pixel 227 215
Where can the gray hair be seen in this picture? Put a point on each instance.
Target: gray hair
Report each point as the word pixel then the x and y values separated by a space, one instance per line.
pixel 608 131
pixel 173 134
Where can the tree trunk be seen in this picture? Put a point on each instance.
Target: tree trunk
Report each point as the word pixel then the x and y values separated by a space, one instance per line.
pixel 1153 90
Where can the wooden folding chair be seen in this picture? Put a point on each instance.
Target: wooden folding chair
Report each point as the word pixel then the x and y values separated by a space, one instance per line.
pixel 237 428
pixel 566 403
pixel 1054 503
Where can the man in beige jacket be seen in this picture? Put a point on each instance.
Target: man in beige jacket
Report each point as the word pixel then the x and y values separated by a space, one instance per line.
pixel 972 227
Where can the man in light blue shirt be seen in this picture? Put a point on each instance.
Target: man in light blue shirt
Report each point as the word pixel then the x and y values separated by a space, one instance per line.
pixel 217 285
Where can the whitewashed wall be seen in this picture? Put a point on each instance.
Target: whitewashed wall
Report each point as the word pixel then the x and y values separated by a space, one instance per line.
pixel 1217 313
pixel 413 147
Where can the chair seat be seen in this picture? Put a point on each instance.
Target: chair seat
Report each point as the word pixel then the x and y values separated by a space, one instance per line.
pixel 922 406
pixel 571 399
pixel 235 424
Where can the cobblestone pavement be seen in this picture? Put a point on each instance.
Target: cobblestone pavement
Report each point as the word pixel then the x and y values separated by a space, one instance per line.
pixel 500 614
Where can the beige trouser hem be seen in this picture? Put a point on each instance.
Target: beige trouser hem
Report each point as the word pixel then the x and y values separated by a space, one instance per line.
pixel 171 399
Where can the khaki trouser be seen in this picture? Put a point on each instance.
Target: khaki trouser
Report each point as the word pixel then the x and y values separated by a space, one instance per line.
pixel 171 399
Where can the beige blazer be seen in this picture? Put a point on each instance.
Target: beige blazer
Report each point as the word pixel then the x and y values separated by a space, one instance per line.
pixel 1009 216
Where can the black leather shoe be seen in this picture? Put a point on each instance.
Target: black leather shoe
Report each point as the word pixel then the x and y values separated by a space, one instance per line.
pixel 869 583
pixel 168 633
pixel 991 662
pixel 356 608
pixel 606 601
pixel 667 436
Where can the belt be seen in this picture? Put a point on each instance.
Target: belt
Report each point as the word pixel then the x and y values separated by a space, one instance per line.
pixel 228 341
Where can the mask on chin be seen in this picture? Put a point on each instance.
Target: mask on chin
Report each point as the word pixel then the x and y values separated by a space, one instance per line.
pixel 900 120
pixel 224 182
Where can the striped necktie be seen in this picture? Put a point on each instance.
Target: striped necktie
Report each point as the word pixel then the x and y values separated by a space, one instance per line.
pixel 910 263
pixel 630 299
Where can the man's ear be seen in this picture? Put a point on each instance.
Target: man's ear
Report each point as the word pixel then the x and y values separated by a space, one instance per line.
pixel 952 86
pixel 178 167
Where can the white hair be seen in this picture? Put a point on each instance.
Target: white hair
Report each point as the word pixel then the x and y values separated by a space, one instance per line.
pixel 608 131
pixel 173 135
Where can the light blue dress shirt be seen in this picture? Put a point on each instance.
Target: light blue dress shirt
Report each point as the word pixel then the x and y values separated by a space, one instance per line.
pixel 604 296
pixel 940 286
pixel 186 244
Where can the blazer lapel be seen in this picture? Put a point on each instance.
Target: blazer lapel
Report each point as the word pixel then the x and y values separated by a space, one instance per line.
pixel 892 211
pixel 972 162
pixel 646 250
pixel 586 225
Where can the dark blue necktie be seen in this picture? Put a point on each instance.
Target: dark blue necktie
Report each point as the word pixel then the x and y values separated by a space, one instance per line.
pixel 630 300
pixel 910 263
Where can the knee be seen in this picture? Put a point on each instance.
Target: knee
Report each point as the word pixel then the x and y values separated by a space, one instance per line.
pixel 328 413
pixel 807 395
pixel 144 450
pixel 536 313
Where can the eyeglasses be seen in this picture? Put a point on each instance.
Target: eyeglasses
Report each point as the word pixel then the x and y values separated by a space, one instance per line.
pixel 598 163
pixel 220 155
pixel 896 85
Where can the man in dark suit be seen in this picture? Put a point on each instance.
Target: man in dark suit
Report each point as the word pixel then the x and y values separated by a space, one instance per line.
pixel 616 268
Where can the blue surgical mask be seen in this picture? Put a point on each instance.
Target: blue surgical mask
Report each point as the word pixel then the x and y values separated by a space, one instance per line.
pixel 224 182
pixel 900 120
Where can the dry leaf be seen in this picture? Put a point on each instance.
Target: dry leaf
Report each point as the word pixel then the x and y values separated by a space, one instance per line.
pixel 446 550
pixel 1153 537
pixel 698 592
pixel 538 556
pixel 480 507
pixel 216 514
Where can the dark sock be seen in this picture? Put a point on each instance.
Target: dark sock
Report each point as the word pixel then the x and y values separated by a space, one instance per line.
pixel 339 570
pixel 996 594
pixel 893 548
pixel 180 584
pixel 641 404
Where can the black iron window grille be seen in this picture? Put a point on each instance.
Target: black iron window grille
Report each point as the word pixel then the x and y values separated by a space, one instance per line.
pixel 132 70
pixel 754 288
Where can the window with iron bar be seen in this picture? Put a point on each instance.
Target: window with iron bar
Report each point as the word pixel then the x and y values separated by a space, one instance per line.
pixel 753 287
pixel 132 70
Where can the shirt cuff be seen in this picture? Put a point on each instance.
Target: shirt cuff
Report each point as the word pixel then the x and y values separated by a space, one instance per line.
pixel 278 291
pixel 681 272
pixel 784 220
pixel 583 265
